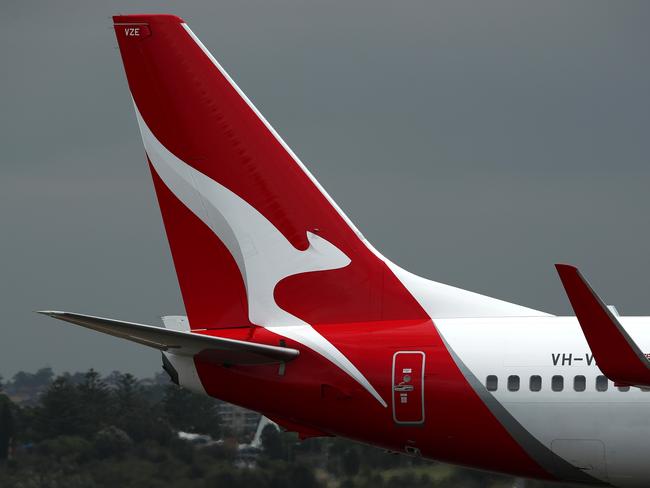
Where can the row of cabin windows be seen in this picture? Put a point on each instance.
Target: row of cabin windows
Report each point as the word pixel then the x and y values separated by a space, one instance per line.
pixel 557 383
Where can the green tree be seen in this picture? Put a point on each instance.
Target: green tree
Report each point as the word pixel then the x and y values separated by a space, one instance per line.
pixel 60 410
pixel 135 413
pixel 64 448
pixel 350 462
pixel 302 476
pixel 41 379
pixel 111 441
pixel 95 399
pixel 272 443
pixel 128 393
pixel 191 412
pixel 6 426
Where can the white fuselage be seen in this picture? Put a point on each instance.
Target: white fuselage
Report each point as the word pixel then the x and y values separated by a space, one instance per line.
pixel 604 433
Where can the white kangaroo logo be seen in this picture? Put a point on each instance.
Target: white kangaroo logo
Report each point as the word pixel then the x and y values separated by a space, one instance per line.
pixel 262 253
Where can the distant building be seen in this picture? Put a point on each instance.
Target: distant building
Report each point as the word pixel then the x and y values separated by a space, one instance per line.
pixel 239 421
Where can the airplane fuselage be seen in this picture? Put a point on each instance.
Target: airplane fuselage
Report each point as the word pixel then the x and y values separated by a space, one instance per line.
pixel 568 406
pixel 551 412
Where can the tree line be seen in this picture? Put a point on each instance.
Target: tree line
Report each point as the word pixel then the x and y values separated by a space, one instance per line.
pixel 88 430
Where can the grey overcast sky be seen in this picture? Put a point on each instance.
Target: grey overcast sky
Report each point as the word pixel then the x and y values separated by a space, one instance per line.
pixel 473 142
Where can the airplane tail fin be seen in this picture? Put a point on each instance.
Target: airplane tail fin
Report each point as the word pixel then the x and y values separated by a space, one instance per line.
pixel 246 222
pixel 254 238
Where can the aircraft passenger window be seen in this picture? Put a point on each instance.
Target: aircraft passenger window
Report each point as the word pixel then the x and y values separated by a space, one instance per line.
pixel 623 388
pixel 557 383
pixel 601 383
pixel 513 383
pixel 580 383
pixel 535 383
pixel 492 383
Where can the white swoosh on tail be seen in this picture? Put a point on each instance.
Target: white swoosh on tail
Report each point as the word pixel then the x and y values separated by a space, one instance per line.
pixel 262 253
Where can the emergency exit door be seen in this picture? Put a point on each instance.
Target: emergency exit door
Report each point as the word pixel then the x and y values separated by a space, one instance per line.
pixel 408 387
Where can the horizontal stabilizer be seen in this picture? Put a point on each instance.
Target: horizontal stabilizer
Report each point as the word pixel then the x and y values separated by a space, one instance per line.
pixel 616 354
pixel 209 348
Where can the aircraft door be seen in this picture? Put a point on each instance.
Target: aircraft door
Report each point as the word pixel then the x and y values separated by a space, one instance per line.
pixel 408 387
pixel 588 455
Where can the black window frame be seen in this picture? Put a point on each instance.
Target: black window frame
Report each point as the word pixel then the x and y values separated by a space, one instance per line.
pixel 537 386
pixel 583 380
pixel 600 381
pixel 514 382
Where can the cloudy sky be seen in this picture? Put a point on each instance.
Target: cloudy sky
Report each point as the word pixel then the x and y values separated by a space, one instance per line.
pixel 473 142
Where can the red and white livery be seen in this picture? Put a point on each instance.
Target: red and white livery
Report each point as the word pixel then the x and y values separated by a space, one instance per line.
pixel 293 313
